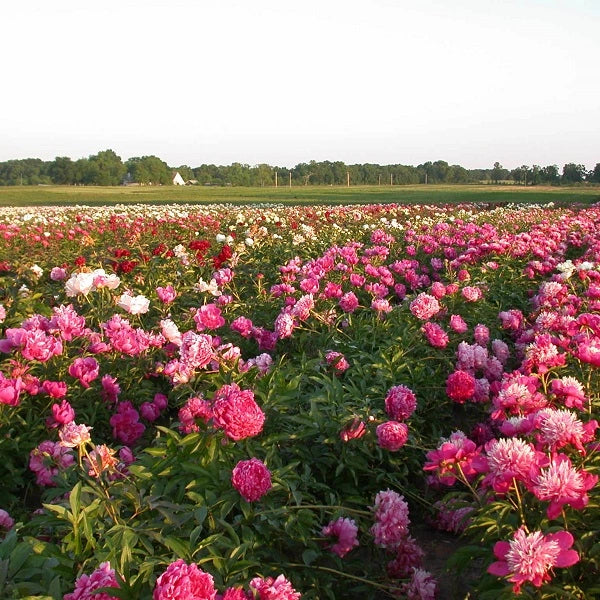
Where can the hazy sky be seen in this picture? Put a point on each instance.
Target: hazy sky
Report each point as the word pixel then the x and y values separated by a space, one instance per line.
pixel 252 81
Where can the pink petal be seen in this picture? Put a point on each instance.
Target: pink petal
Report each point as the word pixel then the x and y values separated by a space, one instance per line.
pixel 499 568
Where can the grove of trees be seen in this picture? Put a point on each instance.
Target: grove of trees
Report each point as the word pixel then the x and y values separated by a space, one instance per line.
pixel 107 168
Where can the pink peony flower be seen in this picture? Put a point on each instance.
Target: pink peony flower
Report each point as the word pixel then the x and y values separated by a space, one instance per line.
pixel 337 361
pixel 284 325
pixel 530 557
pixel 400 402
pixel 125 424
pixel 208 316
pixel 348 302
pixel 471 293
pixel 422 586
pixel 86 585
pixel 345 531
pixel 47 460
pixel 181 581
pixel 236 412
pixel 55 389
pixel 6 522
pixel 274 589
pixel 74 436
pixel 425 306
pixel 10 390
pixel 355 430
pixel 391 519
pixel 196 350
pixel 409 555
pixel 251 479
pixel 392 435
pixel 84 369
pixel 457 323
pixel 62 414
pixel 166 294
pixel 460 386
pixel 560 484
pixel 243 326
pixel 435 335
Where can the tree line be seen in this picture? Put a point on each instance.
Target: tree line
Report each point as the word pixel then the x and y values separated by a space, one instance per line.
pixel 107 168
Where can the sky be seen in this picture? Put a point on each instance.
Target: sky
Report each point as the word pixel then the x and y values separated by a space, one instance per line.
pixel 470 82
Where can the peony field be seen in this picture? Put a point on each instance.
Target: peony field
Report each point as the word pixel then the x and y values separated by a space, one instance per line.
pixel 274 402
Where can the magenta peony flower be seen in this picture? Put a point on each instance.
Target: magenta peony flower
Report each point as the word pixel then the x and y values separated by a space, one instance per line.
pixel 435 334
pixel 355 430
pixel 337 361
pixel 86 585
pixel 348 302
pixel 208 316
pixel 6 521
pixel 125 424
pixel 460 386
pixel 530 557
pixel 47 459
pixel 166 294
pixel 62 413
pixel 236 412
pixel 181 581
pixel 457 323
pixel 251 479
pixel 10 390
pixel 84 369
pixel 345 530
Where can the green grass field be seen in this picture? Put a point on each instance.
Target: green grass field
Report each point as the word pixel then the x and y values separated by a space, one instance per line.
pixel 421 194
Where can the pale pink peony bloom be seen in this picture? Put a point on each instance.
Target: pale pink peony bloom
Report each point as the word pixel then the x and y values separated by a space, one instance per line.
pixel 392 435
pixel 134 305
pixel 511 319
pixel 345 531
pixel 58 274
pixel 422 586
pixel 284 325
pixel 86 585
pixel 74 436
pixel 560 484
pixel 400 402
pixel 425 306
pixel 559 428
pixel 79 283
pixel 303 307
pixel 531 557
pixel 471 293
pixel 273 589
pixel 251 478
pixel 500 350
pixel 196 350
pixel 236 412
pixel 510 460
pixel 181 581
pixel 381 305
pixel 170 331
pixel 391 519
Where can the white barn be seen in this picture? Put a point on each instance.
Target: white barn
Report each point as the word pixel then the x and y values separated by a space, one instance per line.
pixel 178 179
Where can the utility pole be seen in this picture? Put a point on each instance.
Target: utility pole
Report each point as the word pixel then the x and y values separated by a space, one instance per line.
pixel 290 179
pixel 275 178
pixel 379 179
pixel 347 178
pixel 391 179
pixel 426 178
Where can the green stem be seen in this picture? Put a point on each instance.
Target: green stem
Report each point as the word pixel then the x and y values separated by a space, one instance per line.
pixel 381 586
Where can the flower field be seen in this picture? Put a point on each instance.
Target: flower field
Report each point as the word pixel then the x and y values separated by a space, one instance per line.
pixel 270 402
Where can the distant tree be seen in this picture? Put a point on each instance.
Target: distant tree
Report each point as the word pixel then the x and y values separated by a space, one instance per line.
pixel 573 173
pixel 186 172
pixel 497 172
pixel 550 175
pixel 62 171
pixel 594 174
pixel 517 175
pixel 149 170
pixel 106 168
pixel 535 176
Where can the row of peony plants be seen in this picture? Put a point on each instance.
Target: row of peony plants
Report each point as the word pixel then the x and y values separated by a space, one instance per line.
pixel 232 403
